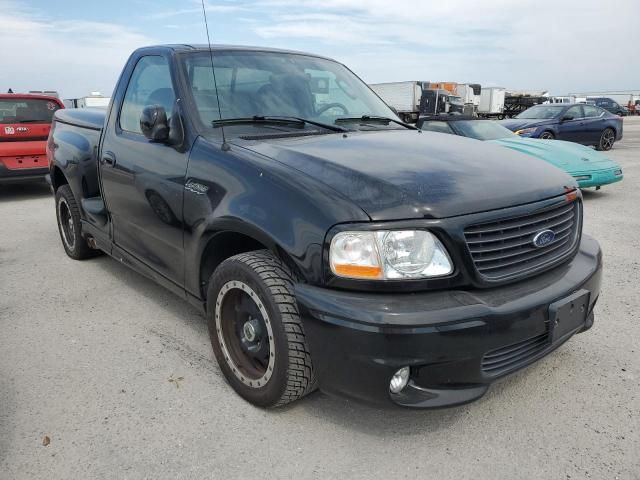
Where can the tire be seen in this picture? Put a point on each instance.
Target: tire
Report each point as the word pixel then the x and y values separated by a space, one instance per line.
pixel 268 364
pixel 70 225
pixel 607 139
pixel 547 135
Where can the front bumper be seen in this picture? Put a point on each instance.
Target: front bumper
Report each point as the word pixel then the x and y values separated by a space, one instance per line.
pixel 599 177
pixel 358 340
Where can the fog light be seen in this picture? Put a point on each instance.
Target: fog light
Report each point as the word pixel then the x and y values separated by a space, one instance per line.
pixel 399 380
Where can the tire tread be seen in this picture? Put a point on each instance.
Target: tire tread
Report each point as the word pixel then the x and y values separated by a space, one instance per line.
pixel 280 281
pixel 82 250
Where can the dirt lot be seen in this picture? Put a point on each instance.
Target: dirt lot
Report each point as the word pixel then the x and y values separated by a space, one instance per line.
pixel 120 376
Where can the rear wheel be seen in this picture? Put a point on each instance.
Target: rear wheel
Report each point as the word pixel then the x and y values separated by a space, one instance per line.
pixel 256 331
pixel 547 135
pixel 70 226
pixel 607 139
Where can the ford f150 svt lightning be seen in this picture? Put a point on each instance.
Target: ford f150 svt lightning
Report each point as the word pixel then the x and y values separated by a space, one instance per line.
pixel 25 120
pixel 329 244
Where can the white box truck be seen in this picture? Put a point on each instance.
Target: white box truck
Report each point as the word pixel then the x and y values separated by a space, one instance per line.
pixel 404 97
pixel 414 98
pixel 492 102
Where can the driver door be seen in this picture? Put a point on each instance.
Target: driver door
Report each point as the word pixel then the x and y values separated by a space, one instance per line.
pixel 143 182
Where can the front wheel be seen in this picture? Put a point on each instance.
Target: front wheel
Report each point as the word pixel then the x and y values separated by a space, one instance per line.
pixel 70 226
pixel 256 331
pixel 547 135
pixel 607 139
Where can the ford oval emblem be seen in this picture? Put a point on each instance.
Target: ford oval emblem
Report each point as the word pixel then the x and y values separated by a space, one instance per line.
pixel 543 238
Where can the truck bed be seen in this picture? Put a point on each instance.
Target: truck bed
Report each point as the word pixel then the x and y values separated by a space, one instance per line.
pixel 76 134
pixel 92 118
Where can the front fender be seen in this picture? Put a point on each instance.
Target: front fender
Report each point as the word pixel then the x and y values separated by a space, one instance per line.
pixel 250 194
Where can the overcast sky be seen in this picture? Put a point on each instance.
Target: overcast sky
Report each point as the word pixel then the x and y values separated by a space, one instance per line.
pixel 559 45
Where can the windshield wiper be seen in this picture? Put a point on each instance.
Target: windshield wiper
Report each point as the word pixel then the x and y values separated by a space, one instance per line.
pixel 375 119
pixel 33 120
pixel 275 120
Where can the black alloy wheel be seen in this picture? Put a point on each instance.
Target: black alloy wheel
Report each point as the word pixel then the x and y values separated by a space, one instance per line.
pixel 256 331
pixel 607 139
pixel 70 225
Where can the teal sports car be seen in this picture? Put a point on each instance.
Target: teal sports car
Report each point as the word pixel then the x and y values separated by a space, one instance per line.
pixel 589 167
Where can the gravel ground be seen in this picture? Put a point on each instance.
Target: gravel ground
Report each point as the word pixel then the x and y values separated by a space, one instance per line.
pixel 120 376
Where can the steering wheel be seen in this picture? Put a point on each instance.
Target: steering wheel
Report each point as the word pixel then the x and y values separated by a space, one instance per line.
pixel 328 106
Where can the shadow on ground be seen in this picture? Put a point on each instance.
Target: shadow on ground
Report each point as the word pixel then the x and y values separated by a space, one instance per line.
pixel 24 191
pixel 343 413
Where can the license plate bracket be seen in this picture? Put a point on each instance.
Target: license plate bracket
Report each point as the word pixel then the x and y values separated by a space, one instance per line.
pixel 567 314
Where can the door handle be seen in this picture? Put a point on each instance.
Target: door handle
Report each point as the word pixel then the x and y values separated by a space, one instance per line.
pixel 108 159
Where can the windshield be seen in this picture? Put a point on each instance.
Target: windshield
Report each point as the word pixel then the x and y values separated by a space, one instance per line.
pixel 32 110
pixel 483 130
pixel 541 112
pixel 278 84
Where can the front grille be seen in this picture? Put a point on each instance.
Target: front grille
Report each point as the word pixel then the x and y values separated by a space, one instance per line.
pixel 504 249
pixel 507 359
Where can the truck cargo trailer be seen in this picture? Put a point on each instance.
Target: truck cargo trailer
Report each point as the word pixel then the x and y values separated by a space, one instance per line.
pixel 492 102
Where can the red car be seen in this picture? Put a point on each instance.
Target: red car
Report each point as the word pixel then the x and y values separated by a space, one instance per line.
pixel 25 121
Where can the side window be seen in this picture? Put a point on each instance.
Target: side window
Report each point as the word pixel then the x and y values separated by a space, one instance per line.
pixel 150 84
pixel 440 127
pixel 575 112
pixel 591 111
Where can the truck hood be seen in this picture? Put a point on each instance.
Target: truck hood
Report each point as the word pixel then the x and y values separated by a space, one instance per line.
pixel 409 174
pixel 515 124
pixel 571 157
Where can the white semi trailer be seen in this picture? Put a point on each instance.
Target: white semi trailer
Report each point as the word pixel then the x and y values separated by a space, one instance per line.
pixel 492 102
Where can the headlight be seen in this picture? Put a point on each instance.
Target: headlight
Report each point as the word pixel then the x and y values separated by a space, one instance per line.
pixel 389 255
pixel 526 131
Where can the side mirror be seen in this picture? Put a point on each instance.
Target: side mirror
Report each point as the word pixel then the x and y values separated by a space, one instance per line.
pixel 566 118
pixel 153 123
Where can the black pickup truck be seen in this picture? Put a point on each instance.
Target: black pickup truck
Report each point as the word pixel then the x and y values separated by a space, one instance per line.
pixel 329 244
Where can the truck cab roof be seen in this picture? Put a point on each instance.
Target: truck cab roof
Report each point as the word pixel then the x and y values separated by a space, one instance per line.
pixel 220 48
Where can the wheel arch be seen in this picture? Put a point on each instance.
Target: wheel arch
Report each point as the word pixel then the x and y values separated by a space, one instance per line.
pixel 58 178
pixel 552 129
pixel 223 243
pixel 612 127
